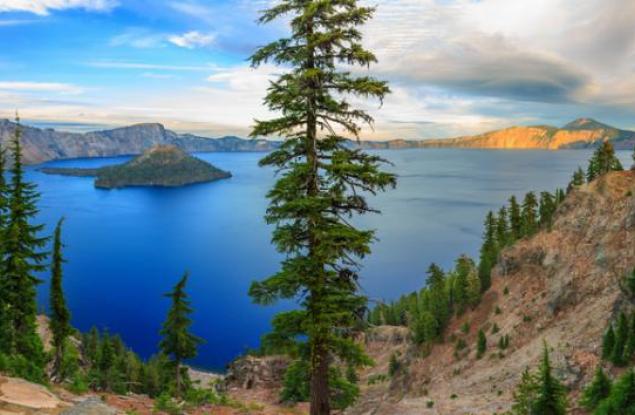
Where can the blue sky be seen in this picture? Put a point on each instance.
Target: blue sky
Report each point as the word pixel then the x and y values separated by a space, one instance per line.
pixel 456 66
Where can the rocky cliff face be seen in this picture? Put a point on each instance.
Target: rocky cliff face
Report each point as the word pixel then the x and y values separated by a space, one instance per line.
pixel 44 145
pixel 561 286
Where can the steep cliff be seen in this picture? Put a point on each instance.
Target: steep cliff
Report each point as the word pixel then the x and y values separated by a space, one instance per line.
pixel 561 286
pixel 42 145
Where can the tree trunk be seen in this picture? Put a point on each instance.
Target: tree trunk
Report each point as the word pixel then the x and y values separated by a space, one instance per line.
pixel 178 379
pixel 320 404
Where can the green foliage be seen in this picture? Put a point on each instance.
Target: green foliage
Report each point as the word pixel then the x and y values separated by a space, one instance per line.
pixel 178 344
pixel 525 394
pixel 321 181
pixel 621 399
pixel 21 367
pixel 22 258
pixel 530 219
pixel 603 161
pixel 621 337
pixel 547 208
pixel 165 403
pixel 295 386
pixel 551 396
pixel 540 393
pixel 481 344
pixel 515 218
pixel 394 365
pixel 597 391
pixel 489 252
pixel 608 342
pixel 60 316
pixel 578 179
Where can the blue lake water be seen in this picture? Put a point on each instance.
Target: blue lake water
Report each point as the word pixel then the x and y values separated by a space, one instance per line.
pixel 125 248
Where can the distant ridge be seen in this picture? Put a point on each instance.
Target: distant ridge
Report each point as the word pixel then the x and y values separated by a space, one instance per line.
pixel 42 145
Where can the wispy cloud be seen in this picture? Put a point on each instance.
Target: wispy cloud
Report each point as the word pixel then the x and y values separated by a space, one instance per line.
pixel 149 66
pixel 17 22
pixel 60 88
pixel 193 39
pixel 138 38
pixel 44 7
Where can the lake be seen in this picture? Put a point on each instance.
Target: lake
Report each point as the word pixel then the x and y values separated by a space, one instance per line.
pixel 126 248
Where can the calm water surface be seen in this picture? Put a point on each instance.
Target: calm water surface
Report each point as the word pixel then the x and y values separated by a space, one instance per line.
pixel 125 248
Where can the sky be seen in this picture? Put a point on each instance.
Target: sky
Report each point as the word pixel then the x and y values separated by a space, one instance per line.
pixel 456 67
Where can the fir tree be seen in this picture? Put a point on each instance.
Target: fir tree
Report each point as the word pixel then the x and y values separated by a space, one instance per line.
pixel 502 228
pixel 621 337
pixel 438 296
pixel 597 391
pixel 603 161
pixel 525 394
pixel 6 325
pixel 547 208
pixel 621 399
pixel 578 179
pixel 608 343
pixel 178 343
pixel 463 267
pixel 551 396
pixel 424 328
pixel 473 288
pixel 22 260
pixel 481 344
pixel 560 196
pixel 60 316
pixel 529 214
pixel 489 252
pixel 322 179
pixel 515 219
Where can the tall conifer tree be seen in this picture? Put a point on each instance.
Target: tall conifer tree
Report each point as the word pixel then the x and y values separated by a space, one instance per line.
pixel 530 214
pixel 322 180
pixel 23 258
pixel 60 315
pixel 551 397
pixel 515 219
pixel 178 343
pixel 489 252
pixel 603 161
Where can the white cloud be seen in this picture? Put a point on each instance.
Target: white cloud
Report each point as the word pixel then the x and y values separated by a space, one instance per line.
pixel 43 7
pixel 193 39
pixel 60 88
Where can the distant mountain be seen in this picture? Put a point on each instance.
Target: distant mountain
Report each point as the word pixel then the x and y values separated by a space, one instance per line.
pixel 581 133
pixel 42 145
pixel 161 165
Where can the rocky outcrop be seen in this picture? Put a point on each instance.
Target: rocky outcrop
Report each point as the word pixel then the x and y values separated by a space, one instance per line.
pixel 561 286
pixel 159 166
pixel 250 372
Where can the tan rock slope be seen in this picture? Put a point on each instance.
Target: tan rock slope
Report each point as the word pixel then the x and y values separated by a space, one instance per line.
pixel 563 288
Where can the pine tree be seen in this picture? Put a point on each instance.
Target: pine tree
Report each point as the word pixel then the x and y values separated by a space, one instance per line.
pixel 473 288
pixel 462 269
pixel 551 397
pixel 608 343
pixel 481 344
pixel 424 328
pixel 515 219
pixel 22 260
pixel 438 296
pixel 597 391
pixel 621 337
pixel 60 316
pixel 489 252
pixel 603 161
pixel 106 361
pixel 560 196
pixel 547 208
pixel 578 179
pixel 502 228
pixel 529 215
pixel 6 325
pixel 322 179
pixel 621 400
pixel 178 343
pixel 525 394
